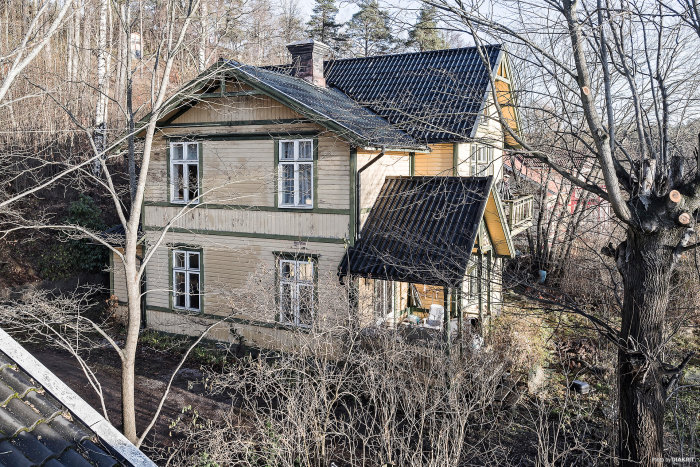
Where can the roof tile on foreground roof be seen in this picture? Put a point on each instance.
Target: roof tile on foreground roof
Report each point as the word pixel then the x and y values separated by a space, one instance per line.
pixel 44 422
pixel 35 429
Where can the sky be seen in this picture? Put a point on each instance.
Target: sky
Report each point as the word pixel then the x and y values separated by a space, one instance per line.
pixel 347 7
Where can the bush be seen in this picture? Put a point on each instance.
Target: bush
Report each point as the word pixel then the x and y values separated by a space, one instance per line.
pixel 69 255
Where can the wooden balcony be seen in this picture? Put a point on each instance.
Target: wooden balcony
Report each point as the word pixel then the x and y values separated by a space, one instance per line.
pixel 519 213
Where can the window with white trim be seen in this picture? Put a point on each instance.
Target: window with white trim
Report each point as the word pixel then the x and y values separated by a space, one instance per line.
pixel 296 169
pixel 481 160
pixel 187 280
pixel 296 292
pixel 184 172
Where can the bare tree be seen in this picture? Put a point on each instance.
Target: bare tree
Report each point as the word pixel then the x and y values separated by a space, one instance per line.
pixel 36 36
pixel 617 76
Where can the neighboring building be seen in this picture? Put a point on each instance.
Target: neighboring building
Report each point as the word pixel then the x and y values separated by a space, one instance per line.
pixel 307 169
pixel 43 422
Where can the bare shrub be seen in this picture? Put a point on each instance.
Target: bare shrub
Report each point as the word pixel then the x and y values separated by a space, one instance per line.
pixel 388 403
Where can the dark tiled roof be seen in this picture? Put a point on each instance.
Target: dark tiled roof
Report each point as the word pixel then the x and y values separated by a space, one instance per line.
pixel 330 108
pixel 434 96
pixel 35 429
pixel 420 230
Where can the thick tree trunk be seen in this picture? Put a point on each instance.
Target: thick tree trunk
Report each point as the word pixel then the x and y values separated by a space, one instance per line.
pixel 646 264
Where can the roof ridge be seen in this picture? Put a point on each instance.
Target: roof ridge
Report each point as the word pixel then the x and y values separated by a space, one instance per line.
pixel 424 52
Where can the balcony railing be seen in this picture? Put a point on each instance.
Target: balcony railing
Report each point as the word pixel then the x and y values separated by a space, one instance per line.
pixel 519 213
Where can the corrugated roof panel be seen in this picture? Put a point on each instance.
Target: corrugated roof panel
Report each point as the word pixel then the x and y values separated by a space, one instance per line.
pixel 420 230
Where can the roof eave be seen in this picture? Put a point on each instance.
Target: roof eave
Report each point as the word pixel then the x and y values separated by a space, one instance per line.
pixel 323 120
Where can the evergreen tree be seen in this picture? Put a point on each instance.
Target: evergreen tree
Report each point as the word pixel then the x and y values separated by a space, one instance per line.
pixel 425 35
pixel 322 25
pixel 371 29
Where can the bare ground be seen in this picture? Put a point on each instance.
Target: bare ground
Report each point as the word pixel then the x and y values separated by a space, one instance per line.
pixel 153 371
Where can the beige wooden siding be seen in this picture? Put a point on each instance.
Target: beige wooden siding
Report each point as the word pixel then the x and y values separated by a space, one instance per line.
pixel 242 172
pixel 372 179
pixel 437 162
pixel 298 224
pixel 236 108
pixel 228 264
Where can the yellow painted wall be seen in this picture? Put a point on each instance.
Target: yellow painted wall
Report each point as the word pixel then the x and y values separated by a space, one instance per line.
pixel 437 162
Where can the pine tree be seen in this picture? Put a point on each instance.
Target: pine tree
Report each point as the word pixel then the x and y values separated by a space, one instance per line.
pixel 425 35
pixel 322 25
pixel 371 29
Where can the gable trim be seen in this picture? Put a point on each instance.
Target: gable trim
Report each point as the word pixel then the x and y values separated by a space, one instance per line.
pixel 298 106
pixel 74 403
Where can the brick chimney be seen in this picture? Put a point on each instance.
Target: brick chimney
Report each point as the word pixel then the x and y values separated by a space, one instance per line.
pixel 307 60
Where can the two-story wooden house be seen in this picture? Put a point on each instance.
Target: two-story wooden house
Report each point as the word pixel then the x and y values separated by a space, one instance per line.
pixel 381 171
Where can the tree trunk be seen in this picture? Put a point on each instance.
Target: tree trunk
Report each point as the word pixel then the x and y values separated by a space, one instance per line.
pixel 646 264
pixel 132 335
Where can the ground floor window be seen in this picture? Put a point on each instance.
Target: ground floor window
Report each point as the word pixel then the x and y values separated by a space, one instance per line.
pixel 297 290
pixel 187 279
pixel 383 298
pixel 473 286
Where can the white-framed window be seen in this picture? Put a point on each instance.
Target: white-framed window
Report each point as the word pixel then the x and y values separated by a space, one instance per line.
pixel 296 292
pixel 187 266
pixel 184 172
pixel 383 299
pixel 481 160
pixel 485 115
pixel 296 173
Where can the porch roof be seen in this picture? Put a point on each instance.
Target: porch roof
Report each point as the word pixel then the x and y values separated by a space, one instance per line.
pixel 420 230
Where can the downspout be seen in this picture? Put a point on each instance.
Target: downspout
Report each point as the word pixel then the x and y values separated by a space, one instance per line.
pixel 358 190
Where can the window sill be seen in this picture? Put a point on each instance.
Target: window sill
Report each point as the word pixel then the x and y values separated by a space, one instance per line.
pixel 183 203
pixel 191 310
pixel 290 206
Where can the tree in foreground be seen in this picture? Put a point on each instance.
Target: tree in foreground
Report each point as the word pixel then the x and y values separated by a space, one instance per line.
pixel 618 77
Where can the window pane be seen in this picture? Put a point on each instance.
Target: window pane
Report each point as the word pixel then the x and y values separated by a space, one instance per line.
pixel 192 151
pixel 286 314
pixel 287 270
pixel 287 150
pixel 179 182
pixel 193 181
pixel 194 290
pixel 179 261
pixel 194 260
pixel 287 183
pixel 306 304
pixel 180 289
pixel 306 271
pixel 176 152
pixel 305 150
pixel 305 183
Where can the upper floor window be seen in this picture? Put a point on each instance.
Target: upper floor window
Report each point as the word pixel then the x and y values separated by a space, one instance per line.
pixel 296 168
pixel 186 279
pixel 485 115
pixel 481 160
pixel 296 289
pixel 184 172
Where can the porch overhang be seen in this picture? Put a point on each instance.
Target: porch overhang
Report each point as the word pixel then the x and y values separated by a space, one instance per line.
pixel 422 230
